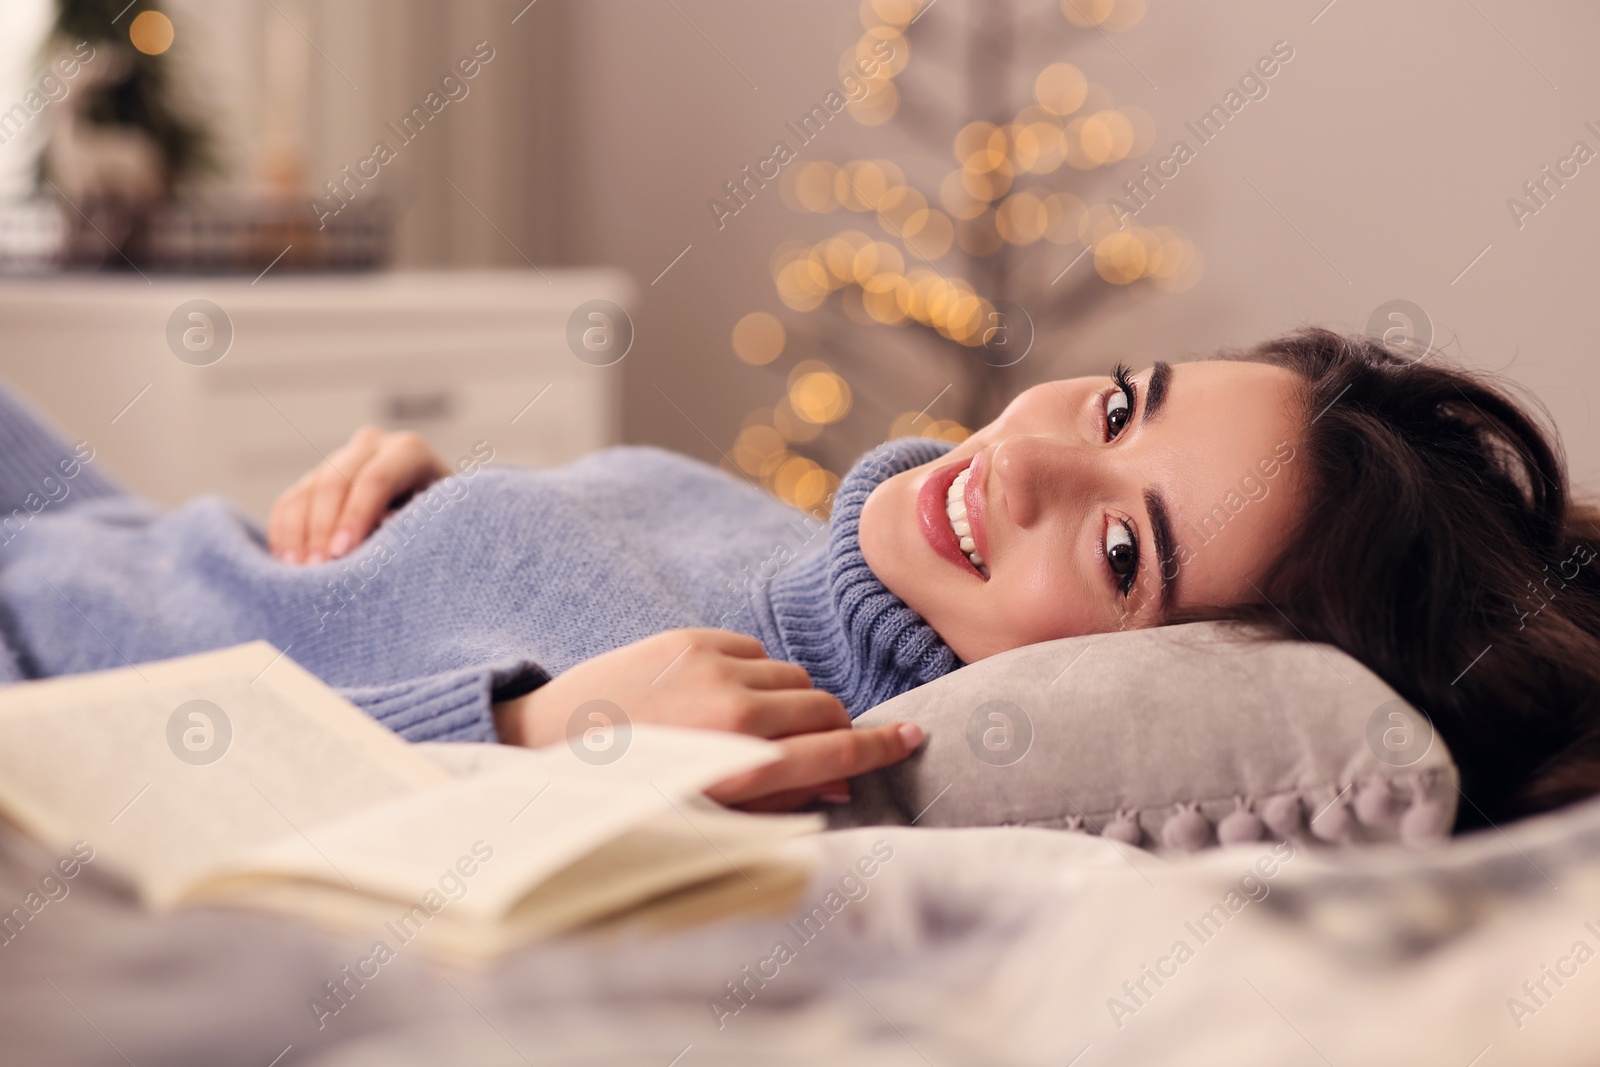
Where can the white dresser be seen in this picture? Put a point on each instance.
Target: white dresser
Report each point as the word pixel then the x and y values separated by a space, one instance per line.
pixel 455 355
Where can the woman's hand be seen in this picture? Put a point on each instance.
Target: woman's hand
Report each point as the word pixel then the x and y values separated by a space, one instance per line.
pixel 719 680
pixel 337 504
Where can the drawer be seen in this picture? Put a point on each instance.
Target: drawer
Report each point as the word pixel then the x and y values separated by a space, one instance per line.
pixel 454 355
pixel 256 445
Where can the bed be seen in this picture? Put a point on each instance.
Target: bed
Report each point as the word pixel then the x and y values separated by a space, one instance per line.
pixel 1010 945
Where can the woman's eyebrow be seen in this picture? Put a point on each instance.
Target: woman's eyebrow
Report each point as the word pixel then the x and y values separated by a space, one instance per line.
pixel 1156 395
pixel 1161 533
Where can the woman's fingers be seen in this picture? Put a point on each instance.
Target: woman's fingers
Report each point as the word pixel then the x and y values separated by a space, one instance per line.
pixel 331 486
pixel 817 758
pixel 836 792
pixel 769 673
pixel 285 532
pixel 332 509
pixel 795 799
pixel 402 464
pixel 776 713
pixel 710 639
pixel 326 497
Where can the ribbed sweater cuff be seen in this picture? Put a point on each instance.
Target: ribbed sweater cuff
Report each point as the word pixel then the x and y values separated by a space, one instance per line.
pixel 453 706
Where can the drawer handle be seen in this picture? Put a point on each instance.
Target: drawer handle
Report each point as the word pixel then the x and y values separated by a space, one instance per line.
pixel 418 407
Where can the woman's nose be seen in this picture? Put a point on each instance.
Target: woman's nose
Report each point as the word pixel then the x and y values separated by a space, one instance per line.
pixel 1037 474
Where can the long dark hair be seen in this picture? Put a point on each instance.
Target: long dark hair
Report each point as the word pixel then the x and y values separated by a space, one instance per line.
pixel 1440 546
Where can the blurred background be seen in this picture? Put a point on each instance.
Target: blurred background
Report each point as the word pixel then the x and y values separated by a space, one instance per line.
pixel 765 234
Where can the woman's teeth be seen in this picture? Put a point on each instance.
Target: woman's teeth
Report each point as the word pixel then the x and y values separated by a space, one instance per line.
pixel 955 507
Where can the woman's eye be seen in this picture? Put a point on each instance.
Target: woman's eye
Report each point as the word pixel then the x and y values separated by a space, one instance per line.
pixel 1122 552
pixel 1119 409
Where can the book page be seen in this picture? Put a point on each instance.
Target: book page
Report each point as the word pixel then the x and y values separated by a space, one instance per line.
pixel 168 768
pixel 689 846
pixel 482 844
pixel 667 871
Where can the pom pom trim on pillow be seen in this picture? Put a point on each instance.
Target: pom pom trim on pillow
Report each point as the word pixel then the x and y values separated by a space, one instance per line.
pixel 1175 738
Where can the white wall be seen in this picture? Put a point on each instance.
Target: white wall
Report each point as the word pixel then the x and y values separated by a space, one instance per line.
pixel 1389 144
pixel 1392 141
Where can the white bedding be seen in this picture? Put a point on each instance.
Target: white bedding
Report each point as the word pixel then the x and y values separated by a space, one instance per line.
pixel 992 946
pixel 1008 946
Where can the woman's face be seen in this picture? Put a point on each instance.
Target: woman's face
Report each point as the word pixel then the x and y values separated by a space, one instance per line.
pixel 1094 504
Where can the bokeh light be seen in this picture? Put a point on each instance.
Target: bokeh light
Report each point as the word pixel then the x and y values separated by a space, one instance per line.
pixel 878 106
pixel 1022 218
pixel 151 32
pixel 792 427
pixel 860 184
pixel 812 188
pixel 759 450
pixel 1063 210
pixel 1106 137
pixel 921 424
pixel 802 483
pixel 895 13
pixel 817 394
pixel 1115 15
pixel 803 284
pixel 1123 256
pixel 869 49
pixel 1061 88
pixel 758 338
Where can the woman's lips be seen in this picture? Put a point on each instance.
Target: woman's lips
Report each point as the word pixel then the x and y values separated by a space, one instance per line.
pixel 935 521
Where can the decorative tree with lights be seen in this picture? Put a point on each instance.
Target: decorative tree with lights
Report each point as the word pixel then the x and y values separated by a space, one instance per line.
pixel 976 270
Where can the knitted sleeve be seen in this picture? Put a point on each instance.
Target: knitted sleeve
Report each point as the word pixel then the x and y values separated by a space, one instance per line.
pixel 454 705
pixel 38 467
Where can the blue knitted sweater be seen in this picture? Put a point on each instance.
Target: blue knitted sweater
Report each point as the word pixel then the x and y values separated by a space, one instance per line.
pixel 476 590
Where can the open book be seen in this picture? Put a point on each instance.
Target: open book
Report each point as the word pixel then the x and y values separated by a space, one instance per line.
pixel 237 777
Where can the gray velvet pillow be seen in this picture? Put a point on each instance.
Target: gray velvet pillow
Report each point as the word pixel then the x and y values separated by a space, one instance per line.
pixel 1175 738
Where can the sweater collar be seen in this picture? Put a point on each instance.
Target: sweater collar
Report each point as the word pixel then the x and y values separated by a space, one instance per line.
pixel 830 614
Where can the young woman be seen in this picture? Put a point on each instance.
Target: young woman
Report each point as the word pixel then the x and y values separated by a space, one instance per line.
pixel 1318 486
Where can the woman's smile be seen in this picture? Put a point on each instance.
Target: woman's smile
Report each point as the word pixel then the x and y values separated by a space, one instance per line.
pixel 950 508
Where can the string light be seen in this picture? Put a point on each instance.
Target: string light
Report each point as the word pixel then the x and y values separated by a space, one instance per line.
pixel 1061 88
pixel 151 32
pixel 956 199
pixel 869 48
pixel 812 188
pixel 801 483
pixel 1115 15
pixel 1062 212
pixel 759 450
pixel 921 424
pixel 1022 218
pixel 1106 137
pixel 895 13
pixel 934 237
pixel 758 338
pixel 792 427
pixel 817 394
pixel 1162 254
pixel 988 185
pixel 902 210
